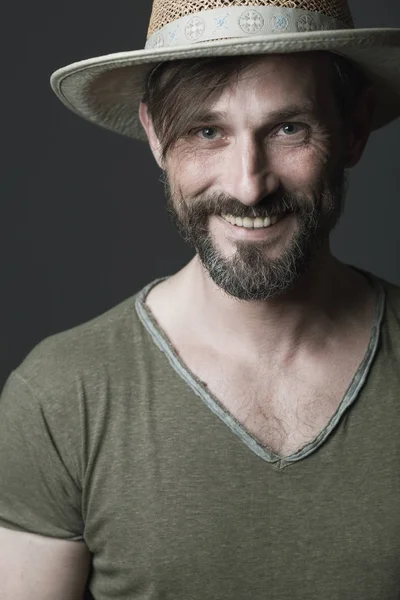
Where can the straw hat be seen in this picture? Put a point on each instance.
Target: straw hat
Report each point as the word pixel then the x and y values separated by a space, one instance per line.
pixel 107 90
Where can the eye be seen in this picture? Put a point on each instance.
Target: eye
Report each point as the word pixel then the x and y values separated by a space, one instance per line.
pixel 207 133
pixel 291 129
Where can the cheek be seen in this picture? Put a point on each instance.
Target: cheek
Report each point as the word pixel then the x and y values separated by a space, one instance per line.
pixel 299 167
pixel 194 172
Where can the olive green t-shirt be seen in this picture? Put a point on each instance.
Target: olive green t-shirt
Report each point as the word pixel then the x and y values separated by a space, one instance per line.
pixel 107 437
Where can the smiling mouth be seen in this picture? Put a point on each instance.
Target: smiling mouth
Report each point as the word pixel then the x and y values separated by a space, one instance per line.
pixel 249 223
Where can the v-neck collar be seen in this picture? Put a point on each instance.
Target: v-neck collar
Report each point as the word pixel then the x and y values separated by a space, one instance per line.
pixel 164 344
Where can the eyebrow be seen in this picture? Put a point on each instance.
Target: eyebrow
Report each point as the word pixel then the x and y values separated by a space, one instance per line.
pixel 289 112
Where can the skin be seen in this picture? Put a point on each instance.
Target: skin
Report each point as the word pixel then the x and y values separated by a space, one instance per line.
pixel 246 158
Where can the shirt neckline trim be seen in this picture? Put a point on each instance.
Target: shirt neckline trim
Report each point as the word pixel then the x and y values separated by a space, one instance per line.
pixel 164 344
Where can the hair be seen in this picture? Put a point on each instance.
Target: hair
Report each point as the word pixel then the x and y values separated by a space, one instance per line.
pixel 177 91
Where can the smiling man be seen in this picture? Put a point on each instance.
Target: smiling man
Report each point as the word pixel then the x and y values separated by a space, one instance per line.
pixel 230 431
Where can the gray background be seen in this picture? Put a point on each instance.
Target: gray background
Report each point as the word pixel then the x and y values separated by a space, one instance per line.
pixel 83 222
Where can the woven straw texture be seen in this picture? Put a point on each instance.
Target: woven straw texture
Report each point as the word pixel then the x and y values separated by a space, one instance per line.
pixel 167 11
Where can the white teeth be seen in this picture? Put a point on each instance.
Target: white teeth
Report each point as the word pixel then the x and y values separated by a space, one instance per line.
pixel 249 223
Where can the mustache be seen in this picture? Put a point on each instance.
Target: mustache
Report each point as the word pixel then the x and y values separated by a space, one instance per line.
pixel 278 204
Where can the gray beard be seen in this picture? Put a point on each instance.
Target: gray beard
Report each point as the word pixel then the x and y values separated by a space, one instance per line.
pixel 248 275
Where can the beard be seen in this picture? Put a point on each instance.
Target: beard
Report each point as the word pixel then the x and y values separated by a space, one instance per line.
pixel 248 274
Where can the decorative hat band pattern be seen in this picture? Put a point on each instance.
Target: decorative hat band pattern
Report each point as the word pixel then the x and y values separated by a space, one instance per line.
pixel 237 21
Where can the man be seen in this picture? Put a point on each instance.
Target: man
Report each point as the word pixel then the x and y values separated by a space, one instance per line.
pixel 231 431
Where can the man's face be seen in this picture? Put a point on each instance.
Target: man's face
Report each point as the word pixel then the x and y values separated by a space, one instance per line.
pixel 273 149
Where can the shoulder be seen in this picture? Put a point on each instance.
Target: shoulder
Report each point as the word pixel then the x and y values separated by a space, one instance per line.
pixel 392 297
pixel 390 324
pixel 85 353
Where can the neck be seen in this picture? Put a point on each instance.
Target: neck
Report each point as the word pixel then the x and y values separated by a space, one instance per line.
pixel 322 302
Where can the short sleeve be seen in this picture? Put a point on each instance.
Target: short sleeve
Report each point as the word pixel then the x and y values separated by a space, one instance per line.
pixel 39 487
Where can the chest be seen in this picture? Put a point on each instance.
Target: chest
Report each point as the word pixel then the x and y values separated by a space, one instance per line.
pixel 283 408
pixel 283 411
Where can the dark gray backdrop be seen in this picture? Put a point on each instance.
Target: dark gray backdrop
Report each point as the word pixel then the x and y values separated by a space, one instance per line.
pixel 83 222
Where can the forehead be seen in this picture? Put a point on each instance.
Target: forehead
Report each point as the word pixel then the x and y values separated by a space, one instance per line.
pixel 279 79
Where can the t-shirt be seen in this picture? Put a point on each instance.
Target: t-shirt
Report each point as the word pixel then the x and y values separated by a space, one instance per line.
pixel 107 437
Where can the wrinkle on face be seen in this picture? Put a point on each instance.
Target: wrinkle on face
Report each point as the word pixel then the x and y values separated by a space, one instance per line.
pixel 248 109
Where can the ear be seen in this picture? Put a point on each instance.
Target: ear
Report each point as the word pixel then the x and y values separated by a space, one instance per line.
pixel 360 127
pixel 147 123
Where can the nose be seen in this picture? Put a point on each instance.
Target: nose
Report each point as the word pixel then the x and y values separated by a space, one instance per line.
pixel 248 174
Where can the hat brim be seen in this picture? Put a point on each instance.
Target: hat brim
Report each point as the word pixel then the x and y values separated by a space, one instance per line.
pixel 107 90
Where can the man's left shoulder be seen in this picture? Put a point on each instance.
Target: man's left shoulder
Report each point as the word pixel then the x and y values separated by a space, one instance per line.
pixel 390 313
pixel 392 293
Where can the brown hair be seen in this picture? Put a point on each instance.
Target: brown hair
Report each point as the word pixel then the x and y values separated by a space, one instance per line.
pixel 176 92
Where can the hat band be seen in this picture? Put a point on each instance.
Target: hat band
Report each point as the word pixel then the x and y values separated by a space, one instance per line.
pixel 237 21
